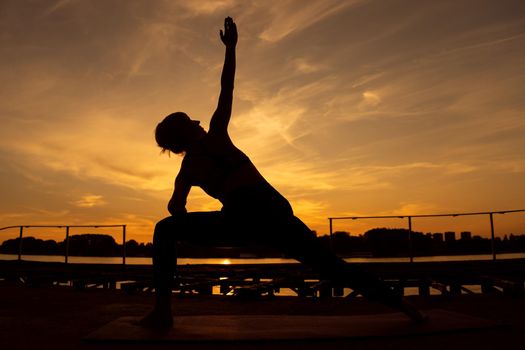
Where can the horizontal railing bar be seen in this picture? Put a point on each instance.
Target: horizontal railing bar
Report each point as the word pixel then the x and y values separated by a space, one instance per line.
pixel 423 215
pixel 58 226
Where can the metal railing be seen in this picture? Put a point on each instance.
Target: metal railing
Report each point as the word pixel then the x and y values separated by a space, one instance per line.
pixel 67 227
pixel 330 219
pixel 409 222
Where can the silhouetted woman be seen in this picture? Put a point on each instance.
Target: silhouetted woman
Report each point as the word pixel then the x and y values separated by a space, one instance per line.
pixel 253 211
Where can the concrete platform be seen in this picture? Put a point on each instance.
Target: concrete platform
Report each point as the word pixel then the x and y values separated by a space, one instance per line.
pixel 288 327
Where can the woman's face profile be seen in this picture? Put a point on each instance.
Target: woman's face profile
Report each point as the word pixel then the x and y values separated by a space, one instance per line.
pixel 192 130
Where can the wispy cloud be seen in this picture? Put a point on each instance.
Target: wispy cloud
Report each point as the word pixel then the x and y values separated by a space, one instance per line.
pixel 47 214
pixel 303 65
pixel 290 16
pixel 13 215
pixel 57 6
pixel 370 100
pixel 90 200
pixel 207 7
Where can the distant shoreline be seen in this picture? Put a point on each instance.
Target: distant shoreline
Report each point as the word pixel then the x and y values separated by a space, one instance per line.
pixel 234 261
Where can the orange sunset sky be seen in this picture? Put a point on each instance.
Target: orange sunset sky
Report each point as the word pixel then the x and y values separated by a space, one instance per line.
pixel 347 107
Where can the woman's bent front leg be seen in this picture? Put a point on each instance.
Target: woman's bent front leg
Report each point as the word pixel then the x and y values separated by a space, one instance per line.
pixel 164 256
pixel 202 228
pixel 164 264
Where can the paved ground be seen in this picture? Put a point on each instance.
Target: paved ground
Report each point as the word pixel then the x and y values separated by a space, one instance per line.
pixel 58 318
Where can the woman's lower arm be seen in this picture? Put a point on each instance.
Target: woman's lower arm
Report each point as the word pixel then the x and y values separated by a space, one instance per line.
pixel 228 70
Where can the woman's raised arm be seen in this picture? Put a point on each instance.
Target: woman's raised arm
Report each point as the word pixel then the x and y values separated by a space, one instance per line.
pixel 221 117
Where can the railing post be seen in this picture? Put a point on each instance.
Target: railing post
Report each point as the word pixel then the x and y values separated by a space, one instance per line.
pixel 410 250
pixel 20 243
pixel 492 240
pixel 123 244
pixel 331 232
pixel 66 253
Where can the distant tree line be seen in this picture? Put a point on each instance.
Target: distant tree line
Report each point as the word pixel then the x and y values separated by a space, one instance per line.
pixel 392 242
pixel 79 245
pixel 105 246
pixel 378 242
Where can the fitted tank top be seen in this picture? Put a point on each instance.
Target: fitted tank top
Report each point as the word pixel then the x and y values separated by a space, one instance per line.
pixel 209 170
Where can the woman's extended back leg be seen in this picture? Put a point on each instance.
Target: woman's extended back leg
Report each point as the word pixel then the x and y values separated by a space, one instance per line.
pixel 303 245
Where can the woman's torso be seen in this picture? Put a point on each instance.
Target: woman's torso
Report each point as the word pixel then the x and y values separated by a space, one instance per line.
pixel 219 168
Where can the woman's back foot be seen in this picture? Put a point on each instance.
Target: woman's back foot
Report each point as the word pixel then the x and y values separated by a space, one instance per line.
pixel 157 319
pixel 416 315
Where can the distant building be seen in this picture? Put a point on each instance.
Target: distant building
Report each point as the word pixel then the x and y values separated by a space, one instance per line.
pixel 450 236
pixel 437 237
pixel 466 235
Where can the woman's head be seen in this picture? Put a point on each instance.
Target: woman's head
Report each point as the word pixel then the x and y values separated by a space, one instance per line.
pixel 176 132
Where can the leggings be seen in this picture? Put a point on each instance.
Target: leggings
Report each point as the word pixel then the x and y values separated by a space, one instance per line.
pixel 268 222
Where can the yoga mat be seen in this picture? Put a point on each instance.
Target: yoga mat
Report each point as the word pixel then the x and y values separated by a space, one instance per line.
pixel 287 327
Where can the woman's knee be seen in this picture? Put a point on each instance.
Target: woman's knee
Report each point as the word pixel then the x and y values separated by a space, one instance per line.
pixel 165 230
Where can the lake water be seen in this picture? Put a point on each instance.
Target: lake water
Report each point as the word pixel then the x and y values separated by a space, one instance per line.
pixel 192 261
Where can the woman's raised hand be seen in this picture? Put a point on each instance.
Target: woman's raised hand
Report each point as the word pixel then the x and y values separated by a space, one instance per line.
pixel 229 36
